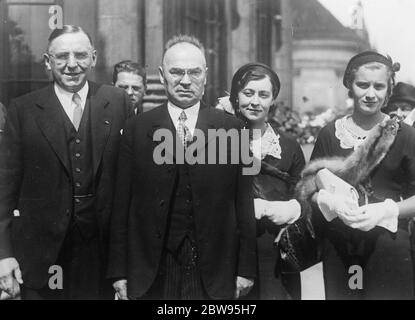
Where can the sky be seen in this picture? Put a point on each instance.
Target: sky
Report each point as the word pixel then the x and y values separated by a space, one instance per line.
pixel 391 26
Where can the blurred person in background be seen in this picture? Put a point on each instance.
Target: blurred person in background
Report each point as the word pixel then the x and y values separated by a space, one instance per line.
pixel 131 77
pixel 402 103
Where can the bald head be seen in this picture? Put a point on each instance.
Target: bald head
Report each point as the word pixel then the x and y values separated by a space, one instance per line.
pixel 184 53
pixel 183 73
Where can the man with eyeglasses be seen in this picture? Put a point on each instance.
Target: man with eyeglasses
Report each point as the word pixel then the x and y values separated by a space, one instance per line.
pixel 57 166
pixel 181 231
pixel 131 77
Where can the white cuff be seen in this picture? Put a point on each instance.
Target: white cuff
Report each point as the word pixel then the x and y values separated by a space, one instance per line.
pixel 390 220
pixel 296 210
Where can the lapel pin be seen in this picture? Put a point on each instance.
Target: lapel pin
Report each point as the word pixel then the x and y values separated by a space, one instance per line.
pixel 107 122
pixel 16 213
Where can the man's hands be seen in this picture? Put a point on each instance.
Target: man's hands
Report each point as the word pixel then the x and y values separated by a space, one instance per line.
pixel 10 277
pixel 243 286
pixel 120 288
pixel 279 212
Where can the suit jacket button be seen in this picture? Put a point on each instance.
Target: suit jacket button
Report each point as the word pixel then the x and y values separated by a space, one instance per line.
pixel 162 202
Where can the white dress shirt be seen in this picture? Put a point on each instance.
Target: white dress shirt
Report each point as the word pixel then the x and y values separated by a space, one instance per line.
pixel 191 114
pixel 65 98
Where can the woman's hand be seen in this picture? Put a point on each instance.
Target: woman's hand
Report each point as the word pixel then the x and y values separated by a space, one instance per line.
pixel 333 206
pixel 279 212
pixel 384 214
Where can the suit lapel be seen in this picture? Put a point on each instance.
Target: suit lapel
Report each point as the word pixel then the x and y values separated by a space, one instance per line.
pixel 50 122
pixel 205 121
pixel 101 122
pixel 162 120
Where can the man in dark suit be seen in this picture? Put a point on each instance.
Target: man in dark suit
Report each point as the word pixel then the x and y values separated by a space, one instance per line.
pixel 181 231
pixel 131 77
pixel 57 169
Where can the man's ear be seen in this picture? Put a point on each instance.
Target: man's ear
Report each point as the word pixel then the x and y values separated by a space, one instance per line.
pixel 206 71
pixel 94 58
pixel 161 75
pixel 46 59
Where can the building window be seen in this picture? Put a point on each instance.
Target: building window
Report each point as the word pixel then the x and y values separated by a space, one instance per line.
pixel 23 42
pixel 268 29
pixel 207 21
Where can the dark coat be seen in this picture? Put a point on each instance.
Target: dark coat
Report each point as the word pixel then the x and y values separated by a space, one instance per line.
pixel 2 117
pixel 222 204
pixel 35 175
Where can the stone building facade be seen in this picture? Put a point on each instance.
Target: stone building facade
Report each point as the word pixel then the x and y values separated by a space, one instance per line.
pixel 322 46
pixel 233 31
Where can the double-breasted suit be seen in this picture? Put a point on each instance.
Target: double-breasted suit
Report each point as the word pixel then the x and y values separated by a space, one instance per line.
pixel 221 200
pixel 37 181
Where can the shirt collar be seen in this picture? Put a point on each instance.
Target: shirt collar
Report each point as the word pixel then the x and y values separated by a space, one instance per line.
pixel 62 93
pixel 191 112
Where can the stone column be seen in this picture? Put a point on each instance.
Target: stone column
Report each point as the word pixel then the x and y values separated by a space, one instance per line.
pixel 120 33
pixel 244 37
pixel 154 38
pixel 283 57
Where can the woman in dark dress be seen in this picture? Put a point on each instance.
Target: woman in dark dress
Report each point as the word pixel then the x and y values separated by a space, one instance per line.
pixel 363 238
pixel 255 88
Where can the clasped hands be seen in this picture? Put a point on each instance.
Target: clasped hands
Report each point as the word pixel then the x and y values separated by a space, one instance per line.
pixel 384 214
pixel 279 212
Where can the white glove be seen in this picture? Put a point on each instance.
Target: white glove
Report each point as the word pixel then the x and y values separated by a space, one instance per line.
pixel 333 206
pixel 384 214
pixel 279 212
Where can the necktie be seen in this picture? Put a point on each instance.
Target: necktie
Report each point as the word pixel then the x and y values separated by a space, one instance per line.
pixel 77 111
pixel 183 131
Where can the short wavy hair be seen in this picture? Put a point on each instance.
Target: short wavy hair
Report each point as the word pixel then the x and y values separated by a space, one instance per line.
pixel 130 67
pixel 65 30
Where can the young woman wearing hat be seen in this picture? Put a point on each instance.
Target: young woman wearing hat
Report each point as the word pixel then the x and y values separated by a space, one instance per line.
pixel 377 156
pixel 255 87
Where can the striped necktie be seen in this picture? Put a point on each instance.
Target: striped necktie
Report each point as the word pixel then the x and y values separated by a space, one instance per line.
pixel 183 131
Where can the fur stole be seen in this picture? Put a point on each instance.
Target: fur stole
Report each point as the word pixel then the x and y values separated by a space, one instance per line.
pixel 355 168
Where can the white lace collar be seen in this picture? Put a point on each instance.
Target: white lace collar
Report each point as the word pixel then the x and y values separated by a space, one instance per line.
pixel 270 143
pixel 349 136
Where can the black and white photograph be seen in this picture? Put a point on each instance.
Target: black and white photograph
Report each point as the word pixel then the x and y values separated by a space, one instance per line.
pixel 207 151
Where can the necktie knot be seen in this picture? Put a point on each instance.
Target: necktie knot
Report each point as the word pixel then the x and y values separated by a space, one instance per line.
pixel 76 98
pixel 183 117
pixel 183 131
